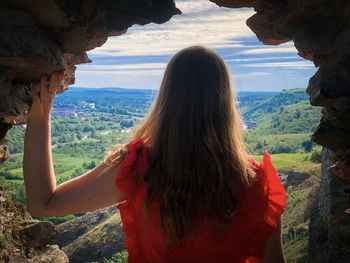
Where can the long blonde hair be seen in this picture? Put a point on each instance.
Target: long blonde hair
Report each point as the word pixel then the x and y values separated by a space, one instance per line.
pixel 194 133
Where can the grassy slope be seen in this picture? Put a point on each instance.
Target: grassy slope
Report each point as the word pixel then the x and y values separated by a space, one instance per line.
pixel 90 245
pixel 261 107
pixel 290 161
pixel 301 200
pixel 63 161
pixel 278 122
pixel 295 118
pixel 66 167
pixel 284 122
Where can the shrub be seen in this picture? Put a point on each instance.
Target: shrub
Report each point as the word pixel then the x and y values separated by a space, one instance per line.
pixel 316 155
pixel 3 241
pixel 119 257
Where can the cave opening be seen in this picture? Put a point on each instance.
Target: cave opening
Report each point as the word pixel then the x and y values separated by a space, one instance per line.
pixel 37 42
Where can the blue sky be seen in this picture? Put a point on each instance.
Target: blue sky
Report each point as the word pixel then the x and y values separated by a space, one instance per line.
pixel 138 58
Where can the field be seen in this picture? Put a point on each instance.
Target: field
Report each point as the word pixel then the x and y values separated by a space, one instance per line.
pixel 290 161
pixel 87 122
pixel 64 163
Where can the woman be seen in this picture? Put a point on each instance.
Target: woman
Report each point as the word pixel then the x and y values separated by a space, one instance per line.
pixel 186 189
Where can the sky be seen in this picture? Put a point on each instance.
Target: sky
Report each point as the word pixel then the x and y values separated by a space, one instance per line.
pixel 138 58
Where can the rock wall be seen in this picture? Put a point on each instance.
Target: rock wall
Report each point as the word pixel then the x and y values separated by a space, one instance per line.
pixel 23 239
pixel 320 31
pixel 42 36
pixel 92 236
pixel 39 37
pixel 330 226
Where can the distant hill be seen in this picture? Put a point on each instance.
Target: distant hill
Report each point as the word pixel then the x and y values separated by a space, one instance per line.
pixel 300 117
pixel 89 121
pixel 283 123
pixel 273 104
pixel 106 98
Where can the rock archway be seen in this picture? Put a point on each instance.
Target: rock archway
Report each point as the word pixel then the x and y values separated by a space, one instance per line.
pixel 320 31
pixel 42 36
pixel 39 37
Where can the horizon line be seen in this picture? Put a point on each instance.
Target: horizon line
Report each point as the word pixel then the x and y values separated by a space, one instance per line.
pixel 153 89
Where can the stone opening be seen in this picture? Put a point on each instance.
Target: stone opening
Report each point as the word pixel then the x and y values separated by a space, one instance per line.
pixel 44 36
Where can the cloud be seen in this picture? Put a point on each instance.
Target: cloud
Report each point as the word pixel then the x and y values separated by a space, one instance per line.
pixel 289 65
pixel 284 48
pixel 147 79
pixel 138 58
pixel 202 23
pixel 251 74
pixel 260 59
pixel 123 73
pixel 123 68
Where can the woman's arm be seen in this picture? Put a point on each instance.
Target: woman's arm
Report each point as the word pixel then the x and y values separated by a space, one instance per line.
pixel 90 191
pixel 273 247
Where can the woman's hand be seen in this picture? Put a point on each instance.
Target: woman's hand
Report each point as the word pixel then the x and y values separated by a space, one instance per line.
pixel 43 95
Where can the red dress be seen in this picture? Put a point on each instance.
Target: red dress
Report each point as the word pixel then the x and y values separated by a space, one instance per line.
pixel 260 207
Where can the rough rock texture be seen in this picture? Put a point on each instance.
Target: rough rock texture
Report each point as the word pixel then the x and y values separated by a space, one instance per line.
pixel 39 37
pixel 49 254
pixel 320 31
pixel 37 234
pixel 23 239
pixel 92 237
pixel 42 36
pixel 330 226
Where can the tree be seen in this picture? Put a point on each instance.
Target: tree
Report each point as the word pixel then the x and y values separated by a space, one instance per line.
pixel 316 155
pixel 307 145
pixel 79 135
pixel 259 146
pixel 92 165
pixel 127 123
pixel 93 133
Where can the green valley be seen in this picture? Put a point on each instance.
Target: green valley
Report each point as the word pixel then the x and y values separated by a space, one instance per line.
pixel 88 122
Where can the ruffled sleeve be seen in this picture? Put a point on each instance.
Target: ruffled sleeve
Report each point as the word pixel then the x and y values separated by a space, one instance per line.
pixel 274 199
pixel 127 182
pixel 275 192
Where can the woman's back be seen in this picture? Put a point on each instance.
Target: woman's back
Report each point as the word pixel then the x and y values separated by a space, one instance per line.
pixel 190 193
pixel 260 206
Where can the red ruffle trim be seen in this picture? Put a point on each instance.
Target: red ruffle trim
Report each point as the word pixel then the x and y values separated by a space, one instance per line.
pixel 126 182
pixel 275 198
pixel 274 193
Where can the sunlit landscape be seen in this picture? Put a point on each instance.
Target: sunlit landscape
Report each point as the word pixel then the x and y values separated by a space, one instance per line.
pixel 88 122
pixel 112 94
